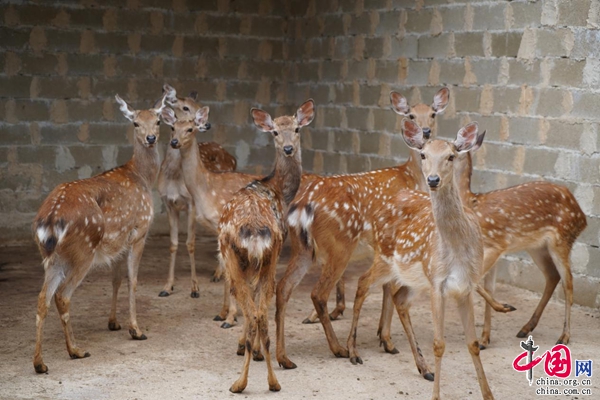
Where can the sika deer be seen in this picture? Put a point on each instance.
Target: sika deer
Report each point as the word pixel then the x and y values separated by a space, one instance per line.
pixel 171 185
pixel 92 222
pixel 252 230
pixel 209 190
pixel 541 218
pixel 329 216
pixel 429 242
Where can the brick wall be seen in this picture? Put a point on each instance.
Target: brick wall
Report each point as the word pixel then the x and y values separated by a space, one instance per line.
pixel 527 71
pixel 64 62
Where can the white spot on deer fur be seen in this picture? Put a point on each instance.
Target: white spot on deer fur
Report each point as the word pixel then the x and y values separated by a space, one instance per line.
pixel 42 233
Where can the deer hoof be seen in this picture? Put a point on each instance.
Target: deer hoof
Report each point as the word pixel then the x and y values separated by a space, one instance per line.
pixel 509 307
pixel 135 336
pixel 241 350
pixel 287 364
pixel 275 388
pixel 226 325
pixel 393 350
pixel 482 347
pixel 41 368
pixel 522 334
pixel 429 376
pixel 195 294
pixel 356 360
pixel 257 356
pixel 164 293
pixel 308 321
pixel 114 326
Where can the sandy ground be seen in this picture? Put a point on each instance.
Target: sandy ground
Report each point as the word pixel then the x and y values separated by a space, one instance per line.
pixel 188 356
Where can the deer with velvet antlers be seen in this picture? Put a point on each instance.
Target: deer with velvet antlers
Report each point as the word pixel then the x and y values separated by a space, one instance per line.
pixel 252 230
pixel 430 242
pixel 173 191
pixel 92 222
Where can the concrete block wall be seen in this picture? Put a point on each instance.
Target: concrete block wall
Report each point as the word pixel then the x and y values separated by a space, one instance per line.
pixel 63 62
pixel 528 71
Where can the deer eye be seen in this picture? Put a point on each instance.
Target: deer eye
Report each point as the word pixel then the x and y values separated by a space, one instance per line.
pixel 297 130
pixel 136 124
pixel 190 130
pixel 173 129
pixel 422 156
pixel 451 158
pixel 411 116
pixel 275 133
pixel 433 115
pixel 158 122
pixel 186 109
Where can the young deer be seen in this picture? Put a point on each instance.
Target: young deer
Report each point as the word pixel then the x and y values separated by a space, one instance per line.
pixel 209 190
pixel 541 218
pixel 330 215
pixel 171 185
pixel 92 222
pixel 429 242
pixel 252 230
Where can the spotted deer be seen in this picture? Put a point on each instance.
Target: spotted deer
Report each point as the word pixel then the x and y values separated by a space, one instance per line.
pixel 330 215
pixel 252 230
pixel 173 191
pixel 430 242
pixel 91 222
pixel 541 218
pixel 209 190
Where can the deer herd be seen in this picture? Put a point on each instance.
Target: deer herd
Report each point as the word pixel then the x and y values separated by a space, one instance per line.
pixel 427 229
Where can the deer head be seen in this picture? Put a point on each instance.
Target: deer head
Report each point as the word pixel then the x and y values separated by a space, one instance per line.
pixel 423 115
pixel 185 107
pixel 184 131
pixel 146 122
pixel 285 129
pixel 437 156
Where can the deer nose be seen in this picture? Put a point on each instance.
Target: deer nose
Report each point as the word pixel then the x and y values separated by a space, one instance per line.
pixel 288 149
pixel 433 181
pixel 174 143
pixel 207 126
pixel 151 139
pixel 426 132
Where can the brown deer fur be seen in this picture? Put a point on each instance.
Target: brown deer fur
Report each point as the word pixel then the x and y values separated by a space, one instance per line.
pixel 92 222
pixel 173 192
pixel 209 190
pixel 252 230
pixel 330 215
pixel 433 242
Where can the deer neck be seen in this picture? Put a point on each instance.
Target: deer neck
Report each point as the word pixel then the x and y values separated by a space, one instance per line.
pixel 146 162
pixel 194 172
pixel 462 176
pixel 414 165
pixel 450 218
pixel 286 175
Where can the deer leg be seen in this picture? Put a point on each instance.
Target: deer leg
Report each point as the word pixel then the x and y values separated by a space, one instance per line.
pixel 489 284
pixel 173 214
pixel 266 293
pixel 564 269
pixel 545 263
pixel 439 344
pixel 385 321
pixel 217 275
pixel 330 274
pixel 113 325
pixel 400 299
pixel 229 309
pixel 133 263
pixel 340 305
pixel 256 353
pixel 364 283
pixel 465 308
pixel 63 302
pixel 496 305
pixel 53 277
pixel 300 262
pixel 191 247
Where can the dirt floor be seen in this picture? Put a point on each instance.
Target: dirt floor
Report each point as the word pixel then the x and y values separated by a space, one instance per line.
pixel 188 356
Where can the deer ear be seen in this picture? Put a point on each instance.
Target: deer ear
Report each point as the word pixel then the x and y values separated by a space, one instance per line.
pixel 306 113
pixel 160 105
pixel 466 138
pixel 441 100
pixel 127 111
pixel 479 142
pixel 194 95
pixel 262 120
pixel 412 134
pixel 168 115
pixel 399 103
pixel 170 93
pixel 201 117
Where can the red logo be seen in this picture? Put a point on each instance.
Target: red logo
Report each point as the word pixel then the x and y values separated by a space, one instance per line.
pixel 558 360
